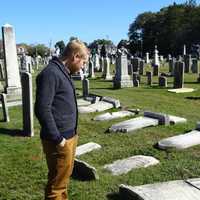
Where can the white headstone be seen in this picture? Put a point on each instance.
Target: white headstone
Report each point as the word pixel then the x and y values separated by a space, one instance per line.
pixel 85 148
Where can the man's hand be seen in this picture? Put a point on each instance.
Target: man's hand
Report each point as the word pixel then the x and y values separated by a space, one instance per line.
pixel 62 144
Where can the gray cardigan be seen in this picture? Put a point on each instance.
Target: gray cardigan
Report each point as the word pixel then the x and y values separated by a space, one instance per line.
pixel 55 105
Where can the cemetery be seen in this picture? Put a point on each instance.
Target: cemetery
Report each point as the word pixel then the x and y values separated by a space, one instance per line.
pixel 139 125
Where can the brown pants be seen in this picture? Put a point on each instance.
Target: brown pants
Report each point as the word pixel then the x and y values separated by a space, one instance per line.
pixel 60 162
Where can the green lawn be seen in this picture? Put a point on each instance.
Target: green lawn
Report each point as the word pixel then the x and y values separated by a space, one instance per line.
pixel 23 168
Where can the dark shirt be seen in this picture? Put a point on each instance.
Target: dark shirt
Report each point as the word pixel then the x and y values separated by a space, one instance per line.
pixel 56 106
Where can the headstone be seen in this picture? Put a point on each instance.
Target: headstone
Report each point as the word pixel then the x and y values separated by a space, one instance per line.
pixel 171 66
pixel 182 141
pixel 188 63
pixel 136 79
pixel 135 64
pixel 147 60
pixel 83 171
pixel 113 115
pixel 162 81
pixel 156 57
pixel 195 67
pixel 120 167
pixel 88 147
pixel 198 79
pixel 91 69
pixel 184 50
pixel 114 102
pixel 95 107
pixel 179 74
pixel 163 119
pixel 85 86
pixel 13 84
pixel 149 78
pixel 133 124
pixel 4 107
pixel 122 79
pixel 141 68
pixel 155 70
pixel 101 60
pixel 96 62
pixel 27 104
pixel 2 74
pixel 181 90
pixel 106 73
pixel 172 190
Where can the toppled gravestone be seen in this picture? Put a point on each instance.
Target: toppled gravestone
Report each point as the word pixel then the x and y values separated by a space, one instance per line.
pixel 86 148
pixel 149 119
pixel 113 115
pixel 124 166
pixel 182 141
pixel 172 190
pixel 83 171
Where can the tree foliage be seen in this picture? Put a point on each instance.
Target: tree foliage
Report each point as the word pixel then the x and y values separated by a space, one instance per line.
pixel 169 29
pixel 60 45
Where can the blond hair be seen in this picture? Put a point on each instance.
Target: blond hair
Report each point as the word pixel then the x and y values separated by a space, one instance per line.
pixel 75 47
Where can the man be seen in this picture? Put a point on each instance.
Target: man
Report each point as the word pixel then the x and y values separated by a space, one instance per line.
pixel 56 110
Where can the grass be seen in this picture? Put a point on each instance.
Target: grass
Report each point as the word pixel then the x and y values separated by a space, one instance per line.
pixel 23 168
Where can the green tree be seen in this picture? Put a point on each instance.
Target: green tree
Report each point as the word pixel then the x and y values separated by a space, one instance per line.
pixel 60 45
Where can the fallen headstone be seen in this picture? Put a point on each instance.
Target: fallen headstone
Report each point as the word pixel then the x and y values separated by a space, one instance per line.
pixel 133 124
pixel 182 141
pixel 85 148
pixel 82 102
pixel 181 90
pixel 124 166
pixel 95 107
pixel 83 171
pixel 172 190
pixel 113 115
pixel 115 102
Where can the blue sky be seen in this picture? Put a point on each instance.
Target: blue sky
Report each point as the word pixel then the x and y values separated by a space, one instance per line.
pixel 42 21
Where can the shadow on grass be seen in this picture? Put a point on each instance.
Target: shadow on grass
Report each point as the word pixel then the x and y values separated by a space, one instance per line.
pixel 193 98
pixel 12 132
pixel 113 196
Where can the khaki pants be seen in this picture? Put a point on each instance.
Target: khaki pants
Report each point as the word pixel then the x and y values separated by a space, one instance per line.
pixel 60 162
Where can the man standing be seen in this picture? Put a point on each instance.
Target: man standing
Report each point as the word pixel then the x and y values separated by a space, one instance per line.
pixel 56 110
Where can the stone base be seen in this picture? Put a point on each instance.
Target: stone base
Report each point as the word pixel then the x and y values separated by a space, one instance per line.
pixel 122 83
pixel 13 94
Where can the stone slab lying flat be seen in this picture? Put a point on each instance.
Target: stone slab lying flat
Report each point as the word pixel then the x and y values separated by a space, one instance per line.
pixel 133 124
pixel 195 182
pixel 115 102
pixel 95 107
pixel 124 166
pixel 85 148
pixel 82 102
pixel 176 120
pixel 83 171
pixel 173 190
pixel 181 90
pixel 182 141
pixel 113 115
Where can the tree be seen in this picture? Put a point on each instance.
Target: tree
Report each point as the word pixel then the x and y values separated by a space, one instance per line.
pixel 60 45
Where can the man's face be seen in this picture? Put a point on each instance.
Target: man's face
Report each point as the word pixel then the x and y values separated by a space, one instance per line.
pixel 78 62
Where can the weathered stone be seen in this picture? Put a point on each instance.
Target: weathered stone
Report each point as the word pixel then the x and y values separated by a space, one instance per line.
pixel 181 90
pixel 113 115
pixel 133 124
pixel 95 107
pixel 85 148
pixel 163 119
pixel 175 120
pixel 85 87
pixel 149 78
pixel 13 84
pixel 4 107
pixel 162 81
pixel 195 67
pixel 122 79
pixel 182 141
pixel 27 104
pixel 179 75
pixel 83 171
pixel 83 102
pixel 124 166
pixel 115 102
pixel 172 190
pixel 155 70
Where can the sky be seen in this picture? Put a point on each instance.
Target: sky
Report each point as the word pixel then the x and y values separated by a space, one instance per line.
pixel 46 22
